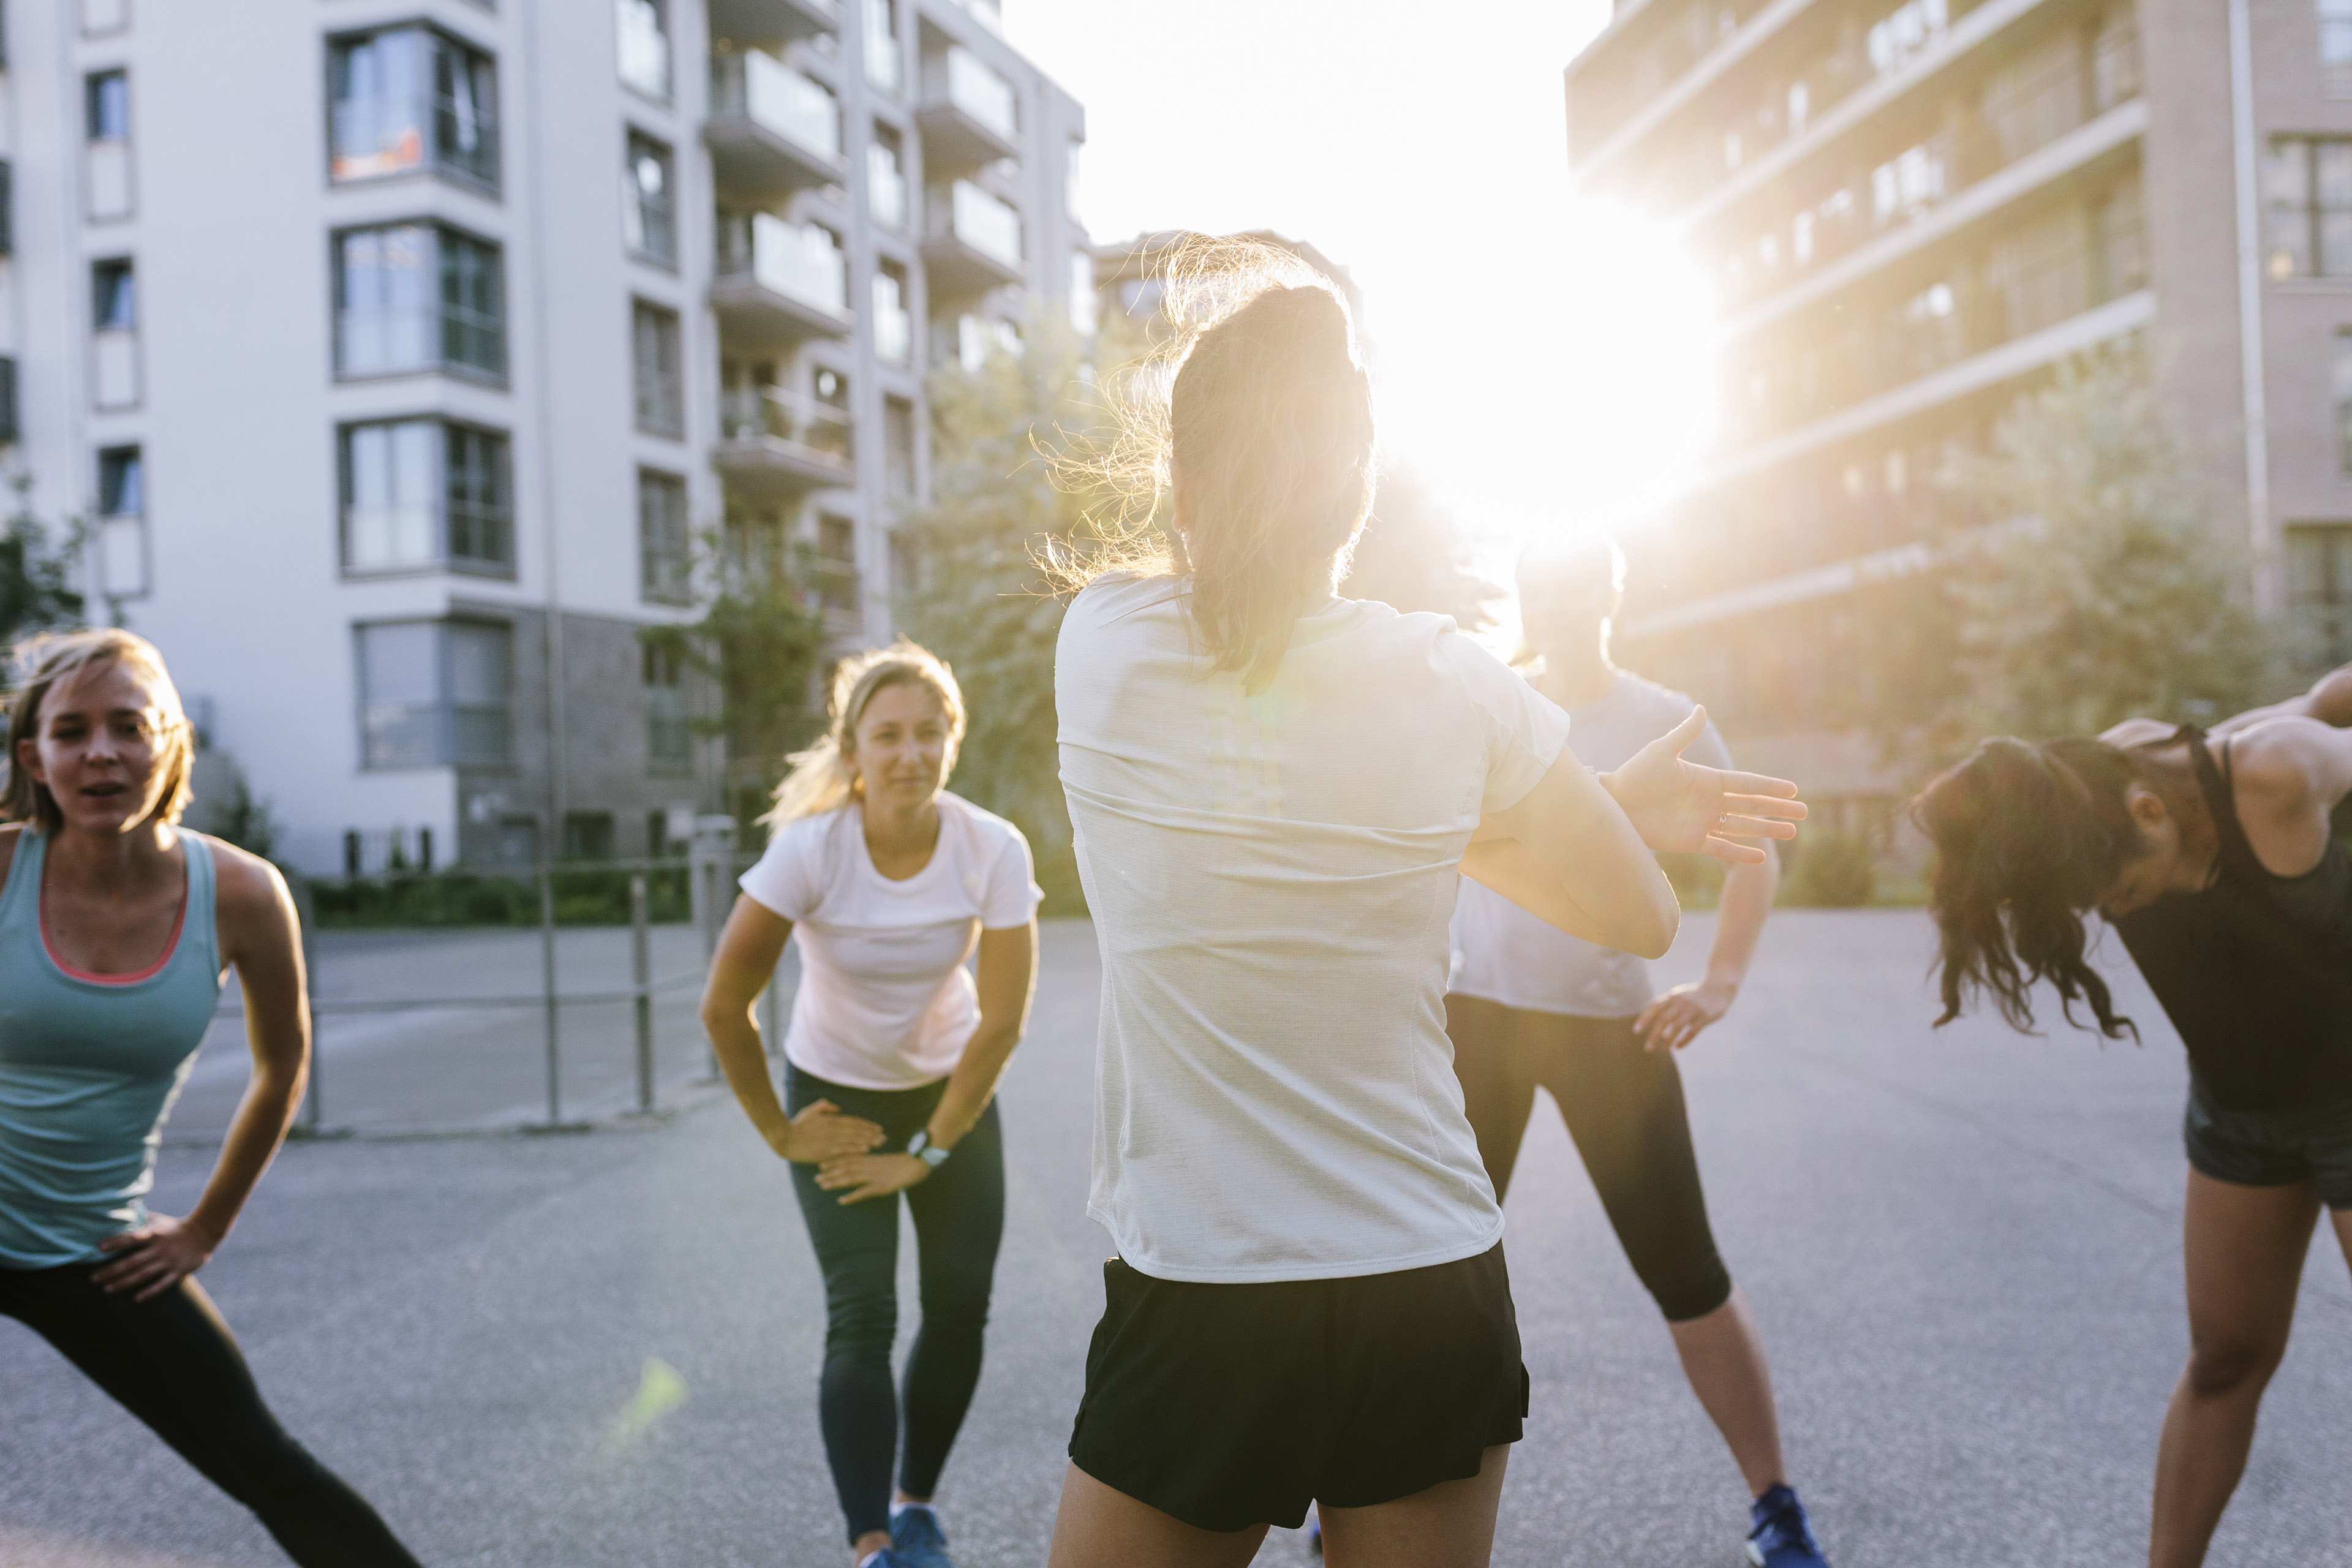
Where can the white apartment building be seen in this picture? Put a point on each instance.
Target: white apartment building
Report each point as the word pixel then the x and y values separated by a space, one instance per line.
pixel 397 355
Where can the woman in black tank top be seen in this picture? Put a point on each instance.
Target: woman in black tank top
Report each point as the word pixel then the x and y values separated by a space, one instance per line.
pixel 2214 858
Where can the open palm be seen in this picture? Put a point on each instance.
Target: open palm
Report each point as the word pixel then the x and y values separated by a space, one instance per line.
pixel 1679 804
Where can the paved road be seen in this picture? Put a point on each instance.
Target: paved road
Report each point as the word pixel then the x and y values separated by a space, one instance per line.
pixel 1963 1249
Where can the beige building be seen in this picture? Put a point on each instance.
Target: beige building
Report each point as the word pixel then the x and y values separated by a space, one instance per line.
pixel 1911 210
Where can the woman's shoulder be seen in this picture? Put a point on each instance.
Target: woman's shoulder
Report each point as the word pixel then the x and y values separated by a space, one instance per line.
pixel 10 832
pixel 242 880
pixel 978 823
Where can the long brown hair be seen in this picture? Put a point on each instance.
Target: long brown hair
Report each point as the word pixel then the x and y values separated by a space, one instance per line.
pixel 2027 838
pixel 44 661
pixel 1258 396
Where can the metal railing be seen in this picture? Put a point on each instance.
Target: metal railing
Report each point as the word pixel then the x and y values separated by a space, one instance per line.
pixel 749 412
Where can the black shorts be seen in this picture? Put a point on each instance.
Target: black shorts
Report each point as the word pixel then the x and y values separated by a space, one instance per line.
pixel 2272 1148
pixel 1232 1405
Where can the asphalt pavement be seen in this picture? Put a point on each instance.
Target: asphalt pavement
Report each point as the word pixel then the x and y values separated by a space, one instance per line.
pixel 599 1348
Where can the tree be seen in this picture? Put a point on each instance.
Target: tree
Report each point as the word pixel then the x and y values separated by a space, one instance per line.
pixel 981 601
pixel 1413 556
pixel 2095 584
pixel 35 579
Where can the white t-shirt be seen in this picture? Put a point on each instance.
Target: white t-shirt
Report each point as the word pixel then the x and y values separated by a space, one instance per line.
pixel 1504 954
pixel 885 1001
pixel 1271 878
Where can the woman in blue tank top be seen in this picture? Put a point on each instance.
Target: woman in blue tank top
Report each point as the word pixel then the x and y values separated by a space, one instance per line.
pixel 116 928
pixel 2213 857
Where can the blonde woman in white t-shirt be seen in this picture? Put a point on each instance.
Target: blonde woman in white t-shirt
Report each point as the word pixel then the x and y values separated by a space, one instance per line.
pixel 891 1064
pixel 1273 791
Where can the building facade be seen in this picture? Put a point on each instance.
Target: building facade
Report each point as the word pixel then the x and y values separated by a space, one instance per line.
pixel 399 358
pixel 1911 211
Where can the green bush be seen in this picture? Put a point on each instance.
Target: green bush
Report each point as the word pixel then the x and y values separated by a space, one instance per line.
pixel 1698 880
pixel 589 896
pixel 1829 870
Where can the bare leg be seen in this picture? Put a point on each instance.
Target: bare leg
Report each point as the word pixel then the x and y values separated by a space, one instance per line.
pixel 1723 1356
pixel 2243 1248
pixel 1451 1525
pixel 1100 1526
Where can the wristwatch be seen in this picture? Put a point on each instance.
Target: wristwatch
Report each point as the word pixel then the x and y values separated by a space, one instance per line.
pixel 921 1147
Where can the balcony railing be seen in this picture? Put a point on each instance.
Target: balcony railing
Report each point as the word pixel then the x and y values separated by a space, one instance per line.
pixel 970 115
pixel 986 223
pixel 979 91
pixel 801 261
pixel 769 413
pixel 759 86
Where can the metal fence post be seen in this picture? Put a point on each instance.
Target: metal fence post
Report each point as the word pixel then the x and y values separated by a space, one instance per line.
pixel 641 974
pixel 547 985
pixel 306 912
pixel 714 857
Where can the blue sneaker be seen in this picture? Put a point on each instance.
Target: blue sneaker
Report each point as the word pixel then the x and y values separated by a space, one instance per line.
pixel 916 1540
pixel 1783 1537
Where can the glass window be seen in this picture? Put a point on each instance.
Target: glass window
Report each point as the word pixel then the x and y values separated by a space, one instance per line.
pixel 479 656
pixel 836 565
pixel 1905 31
pixel 391 319
pixel 644 35
pixel 407 96
pixel 898 448
pixel 885 64
pixel 122 482
pixel 106 105
pixel 2319 591
pixel 2308 182
pixel 2336 47
pixel 664 553
pixel 894 323
pixel 113 296
pixel 420 493
pixel 669 741
pixel 400 694
pixel 2343 378
pixel 1082 293
pixel 660 378
pixel 648 222
pixel 885 178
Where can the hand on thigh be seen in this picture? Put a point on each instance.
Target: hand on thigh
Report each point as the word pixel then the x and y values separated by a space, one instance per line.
pixel 1451 1525
pixel 1100 1527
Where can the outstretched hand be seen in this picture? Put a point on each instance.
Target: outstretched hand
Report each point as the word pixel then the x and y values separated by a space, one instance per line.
pixel 1689 808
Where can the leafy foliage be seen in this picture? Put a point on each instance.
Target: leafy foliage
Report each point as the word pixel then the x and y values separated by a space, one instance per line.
pixel 37 590
pixel 2102 587
pixel 1830 869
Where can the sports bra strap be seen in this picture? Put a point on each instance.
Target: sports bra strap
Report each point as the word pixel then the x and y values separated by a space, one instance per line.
pixel 2220 788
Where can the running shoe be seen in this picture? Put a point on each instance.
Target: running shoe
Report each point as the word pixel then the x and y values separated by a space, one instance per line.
pixel 1782 1538
pixel 917 1540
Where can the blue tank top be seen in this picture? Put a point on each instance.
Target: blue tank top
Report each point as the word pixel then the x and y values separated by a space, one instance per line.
pixel 89 1069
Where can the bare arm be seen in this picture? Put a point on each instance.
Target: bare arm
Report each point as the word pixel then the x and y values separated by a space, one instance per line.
pixel 1008 979
pixel 1567 854
pixel 2330 700
pixel 744 966
pixel 1674 1020
pixel 2290 773
pixel 260 937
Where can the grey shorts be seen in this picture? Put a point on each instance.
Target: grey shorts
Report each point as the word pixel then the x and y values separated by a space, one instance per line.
pixel 2272 1148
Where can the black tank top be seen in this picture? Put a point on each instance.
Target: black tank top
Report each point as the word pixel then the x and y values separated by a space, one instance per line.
pixel 2255 971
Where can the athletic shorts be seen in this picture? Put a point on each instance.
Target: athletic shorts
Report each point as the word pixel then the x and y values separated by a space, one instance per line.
pixel 1232 1406
pixel 2272 1148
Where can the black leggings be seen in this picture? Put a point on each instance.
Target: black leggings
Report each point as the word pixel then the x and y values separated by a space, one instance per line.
pixel 959 1211
pixel 173 1364
pixel 1624 1107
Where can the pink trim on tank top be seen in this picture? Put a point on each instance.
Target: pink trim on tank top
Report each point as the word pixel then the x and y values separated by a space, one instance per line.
pixel 171 946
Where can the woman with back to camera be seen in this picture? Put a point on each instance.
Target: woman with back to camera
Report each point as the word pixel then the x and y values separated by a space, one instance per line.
pixel 2211 855
pixel 889 884
pixel 116 926
pixel 1273 790
pixel 1530 1005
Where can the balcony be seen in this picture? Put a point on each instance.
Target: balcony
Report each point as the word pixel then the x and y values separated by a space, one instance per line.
pixel 968 116
pixel 742 22
pixel 775 444
pixel 771 130
pixel 779 282
pixel 971 240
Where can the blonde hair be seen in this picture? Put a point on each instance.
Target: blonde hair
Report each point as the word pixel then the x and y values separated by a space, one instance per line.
pixel 55 657
pixel 821 779
pixel 1256 390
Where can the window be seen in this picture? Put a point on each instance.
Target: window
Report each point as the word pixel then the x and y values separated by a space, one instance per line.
pixel 2335 48
pixel 885 64
pixel 2319 591
pixel 434 692
pixel 105 112
pixel 669 746
pixel 898 448
pixel 1082 293
pixel 587 835
pixel 2343 369
pixel 2310 189
pixel 1072 164
pixel 644 35
pixel 408 98
pixel 114 334
pixel 413 297
pixel 836 565
pixel 122 559
pixel 423 493
pixel 660 378
pixel 885 178
pixel 1907 30
pixel 665 572
pixel 648 221
pixel 894 322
